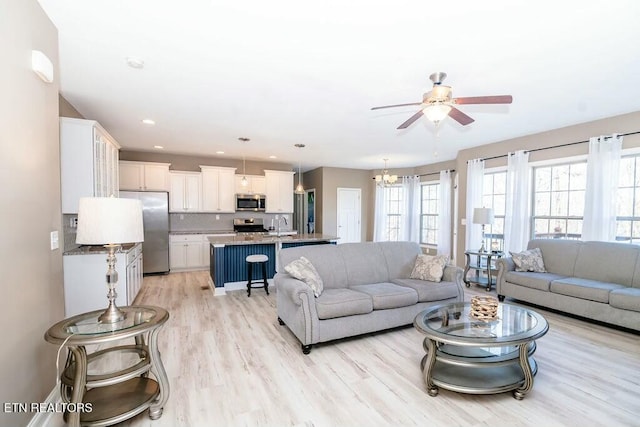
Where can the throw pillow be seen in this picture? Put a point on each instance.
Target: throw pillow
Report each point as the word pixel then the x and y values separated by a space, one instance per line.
pixel 429 267
pixel 530 260
pixel 302 269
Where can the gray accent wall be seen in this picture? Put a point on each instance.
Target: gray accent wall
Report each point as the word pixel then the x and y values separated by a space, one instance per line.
pixel 32 284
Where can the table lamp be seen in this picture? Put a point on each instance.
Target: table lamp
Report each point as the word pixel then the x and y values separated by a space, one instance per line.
pixel 110 222
pixel 482 216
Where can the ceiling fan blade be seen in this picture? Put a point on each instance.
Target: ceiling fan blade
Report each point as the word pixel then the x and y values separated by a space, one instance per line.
pixel 410 120
pixel 498 99
pixel 397 105
pixel 460 117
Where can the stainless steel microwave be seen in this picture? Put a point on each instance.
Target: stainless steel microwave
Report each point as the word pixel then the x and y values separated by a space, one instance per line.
pixel 250 202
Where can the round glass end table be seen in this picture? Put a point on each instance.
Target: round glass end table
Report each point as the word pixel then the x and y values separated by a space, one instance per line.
pixel 105 398
pixel 466 355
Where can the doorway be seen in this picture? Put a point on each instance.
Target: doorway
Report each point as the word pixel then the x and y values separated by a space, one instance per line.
pixel 349 215
pixel 309 211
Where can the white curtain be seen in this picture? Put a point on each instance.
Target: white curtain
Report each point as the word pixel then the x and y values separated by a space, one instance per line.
pixel 380 216
pixel 516 220
pixel 475 178
pixel 444 214
pixel 410 229
pixel 603 165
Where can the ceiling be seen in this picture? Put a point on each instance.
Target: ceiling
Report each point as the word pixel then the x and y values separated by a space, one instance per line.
pixel 289 72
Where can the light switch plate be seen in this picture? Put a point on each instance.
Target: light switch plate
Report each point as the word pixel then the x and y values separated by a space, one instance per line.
pixel 54 240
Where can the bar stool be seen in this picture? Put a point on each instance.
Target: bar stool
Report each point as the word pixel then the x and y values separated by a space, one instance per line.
pixel 257 259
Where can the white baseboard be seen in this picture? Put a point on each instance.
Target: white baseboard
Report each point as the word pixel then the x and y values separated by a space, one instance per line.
pixel 49 419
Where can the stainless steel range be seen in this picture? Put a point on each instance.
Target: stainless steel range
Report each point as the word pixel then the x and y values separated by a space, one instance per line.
pixel 249 226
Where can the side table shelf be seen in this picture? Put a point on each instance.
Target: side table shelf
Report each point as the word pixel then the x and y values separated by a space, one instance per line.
pixel 114 394
pixel 482 268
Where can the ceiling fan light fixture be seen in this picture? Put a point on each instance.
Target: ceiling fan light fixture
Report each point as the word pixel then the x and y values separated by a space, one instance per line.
pixel 436 112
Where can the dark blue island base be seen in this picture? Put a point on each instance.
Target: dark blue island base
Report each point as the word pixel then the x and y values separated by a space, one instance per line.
pixel 227 263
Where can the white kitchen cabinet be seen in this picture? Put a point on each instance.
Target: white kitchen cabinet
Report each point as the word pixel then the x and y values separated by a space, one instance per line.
pixel 279 191
pixel 85 285
pixel 185 252
pixel 184 191
pixel 88 162
pixel 144 176
pixel 256 184
pixel 218 189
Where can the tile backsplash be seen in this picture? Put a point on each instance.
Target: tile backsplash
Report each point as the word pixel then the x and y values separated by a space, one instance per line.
pixel 208 222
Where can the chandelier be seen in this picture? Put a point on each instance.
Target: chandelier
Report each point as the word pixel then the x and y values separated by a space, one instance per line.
pixel 384 179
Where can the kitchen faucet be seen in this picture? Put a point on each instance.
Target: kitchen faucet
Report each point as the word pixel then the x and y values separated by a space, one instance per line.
pixel 278 218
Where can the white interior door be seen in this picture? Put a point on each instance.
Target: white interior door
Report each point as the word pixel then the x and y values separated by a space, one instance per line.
pixel 349 215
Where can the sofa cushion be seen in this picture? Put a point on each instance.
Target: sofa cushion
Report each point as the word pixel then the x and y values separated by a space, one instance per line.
pixel 625 299
pixel 327 260
pixel 607 262
pixel 584 288
pixel 529 279
pixel 342 302
pixel 400 257
pixel 365 263
pixel 303 269
pixel 529 260
pixel 430 291
pixel 429 267
pixel 388 295
pixel 559 255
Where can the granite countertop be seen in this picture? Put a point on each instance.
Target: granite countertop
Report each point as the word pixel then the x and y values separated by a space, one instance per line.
pixel 98 249
pixel 265 239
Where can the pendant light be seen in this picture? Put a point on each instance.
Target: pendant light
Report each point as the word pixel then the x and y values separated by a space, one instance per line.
pixel 299 187
pixel 244 181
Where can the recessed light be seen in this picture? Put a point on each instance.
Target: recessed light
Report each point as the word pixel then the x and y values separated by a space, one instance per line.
pixel 272 157
pixel 219 152
pixel 159 147
pixel 134 62
pixel 148 122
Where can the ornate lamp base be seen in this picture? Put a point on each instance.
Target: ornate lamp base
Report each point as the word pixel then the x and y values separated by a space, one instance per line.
pixel 112 314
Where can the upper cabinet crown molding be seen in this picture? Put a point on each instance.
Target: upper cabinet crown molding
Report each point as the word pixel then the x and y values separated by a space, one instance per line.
pixel 88 162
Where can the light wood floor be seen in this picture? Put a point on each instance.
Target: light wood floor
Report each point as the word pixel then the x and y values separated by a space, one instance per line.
pixel 231 364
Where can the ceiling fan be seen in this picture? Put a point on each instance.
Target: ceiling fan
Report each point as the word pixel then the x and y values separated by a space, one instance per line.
pixel 438 103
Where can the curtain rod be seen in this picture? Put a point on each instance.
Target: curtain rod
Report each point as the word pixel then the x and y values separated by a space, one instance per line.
pixel 423 174
pixel 557 146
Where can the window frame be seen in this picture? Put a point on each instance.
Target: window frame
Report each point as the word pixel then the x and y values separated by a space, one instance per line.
pixel 423 215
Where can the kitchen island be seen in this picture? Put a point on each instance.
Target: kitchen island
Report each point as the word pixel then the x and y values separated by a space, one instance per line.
pixel 228 269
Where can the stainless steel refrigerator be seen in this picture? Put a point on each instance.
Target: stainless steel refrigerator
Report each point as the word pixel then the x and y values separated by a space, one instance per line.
pixel 155 218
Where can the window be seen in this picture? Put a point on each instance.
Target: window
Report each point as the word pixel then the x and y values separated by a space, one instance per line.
pixel 429 195
pixel 628 201
pixel 395 207
pixel 494 190
pixel 558 200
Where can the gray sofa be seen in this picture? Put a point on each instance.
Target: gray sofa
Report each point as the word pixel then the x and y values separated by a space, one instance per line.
pixel 595 280
pixel 366 288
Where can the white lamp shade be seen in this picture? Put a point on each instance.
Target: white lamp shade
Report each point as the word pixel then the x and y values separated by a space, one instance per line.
pixel 483 216
pixel 109 220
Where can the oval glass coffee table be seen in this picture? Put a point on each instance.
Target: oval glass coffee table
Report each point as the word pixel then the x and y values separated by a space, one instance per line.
pixel 466 355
